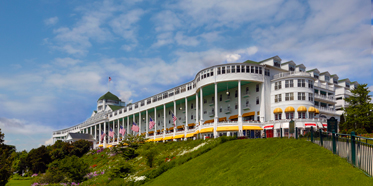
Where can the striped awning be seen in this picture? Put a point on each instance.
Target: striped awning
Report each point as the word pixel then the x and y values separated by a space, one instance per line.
pixel 180 127
pixel 289 109
pixel 228 128
pixel 150 132
pixel 149 140
pixel 248 114
pixel 302 109
pixel 268 127
pixel 158 139
pixel 311 109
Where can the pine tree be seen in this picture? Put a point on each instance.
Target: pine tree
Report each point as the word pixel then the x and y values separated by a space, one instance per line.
pixel 342 124
pixel 359 112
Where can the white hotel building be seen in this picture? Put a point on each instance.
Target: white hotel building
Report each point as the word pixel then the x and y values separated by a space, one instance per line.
pixel 244 99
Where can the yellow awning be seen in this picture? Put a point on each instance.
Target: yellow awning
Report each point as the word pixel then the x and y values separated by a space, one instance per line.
pixel 206 130
pixel 317 111
pixel 190 135
pixel 150 132
pixel 209 121
pixel 229 128
pixel 158 139
pixel 302 109
pixel 222 119
pixel 277 110
pixel 251 128
pixel 159 130
pixel 179 136
pixel 149 140
pixel 311 109
pixel 108 146
pixel 233 117
pixel 248 114
pixel 171 128
pixel 180 127
pixel 168 138
pixel 101 145
pixel 197 132
pixel 191 124
pixel 289 109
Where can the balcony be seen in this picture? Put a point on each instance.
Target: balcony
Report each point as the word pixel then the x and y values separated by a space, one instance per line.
pixel 211 103
pixel 212 114
pixel 227 110
pixel 287 74
pixel 326 110
pixel 247 94
pixel 228 99
pixel 325 98
pixel 246 107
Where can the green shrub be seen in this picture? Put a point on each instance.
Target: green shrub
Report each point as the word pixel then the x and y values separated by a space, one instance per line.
pixel 72 169
pixel 121 171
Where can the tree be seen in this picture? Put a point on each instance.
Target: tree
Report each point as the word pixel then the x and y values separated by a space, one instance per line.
pixel 5 160
pixel 342 124
pixel 1 138
pixel 132 142
pixel 359 112
pixel 38 159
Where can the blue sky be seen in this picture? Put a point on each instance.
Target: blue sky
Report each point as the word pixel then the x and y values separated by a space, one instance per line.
pixel 56 56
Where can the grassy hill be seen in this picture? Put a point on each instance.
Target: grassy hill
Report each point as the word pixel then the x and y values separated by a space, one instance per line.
pixel 265 162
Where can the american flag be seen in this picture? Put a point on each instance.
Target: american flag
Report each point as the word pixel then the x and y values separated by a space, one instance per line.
pixel 102 135
pixel 151 124
pixel 122 130
pixel 174 118
pixel 111 133
pixel 109 78
pixel 135 127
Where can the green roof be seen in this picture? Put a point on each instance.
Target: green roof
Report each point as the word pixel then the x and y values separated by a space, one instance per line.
pixel 251 62
pixel 311 70
pixel 267 59
pixel 109 96
pixel 324 72
pixel 286 63
pixel 342 80
pixel 299 65
pixel 114 107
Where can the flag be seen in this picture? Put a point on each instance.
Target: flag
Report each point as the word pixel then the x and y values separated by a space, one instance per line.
pixel 151 124
pixel 109 78
pixel 122 130
pixel 174 118
pixel 111 133
pixel 102 135
pixel 135 127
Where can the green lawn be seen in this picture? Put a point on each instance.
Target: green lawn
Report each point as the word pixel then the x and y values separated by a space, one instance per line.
pixel 19 183
pixel 265 162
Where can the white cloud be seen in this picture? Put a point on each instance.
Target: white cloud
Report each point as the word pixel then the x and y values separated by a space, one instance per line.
pixel 185 40
pixel 371 88
pixel 164 39
pixel 49 142
pixel 64 62
pixel 21 127
pixel 166 21
pixel 51 21
pixel 233 57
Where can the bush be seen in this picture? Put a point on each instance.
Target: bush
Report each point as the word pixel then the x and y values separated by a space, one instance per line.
pixel 121 171
pixel 71 168
pixel 48 177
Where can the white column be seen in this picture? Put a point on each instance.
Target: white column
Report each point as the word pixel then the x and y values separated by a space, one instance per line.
pixel 128 125
pixel 176 117
pixel 99 134
pixel 239 110
pixel 216 118
pixel 146 123
pixel 186 127
pixel 140 119
pixel 133 120
pixel 105 134
pixel 155 120
pixel 262 104
pixel 123 127
pixel 201 101
pixel 197 119
pixel 95 131
pixel 118 130
pixel 164 120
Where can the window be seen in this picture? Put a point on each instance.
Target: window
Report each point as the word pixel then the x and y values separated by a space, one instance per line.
pixel 236 93
pixel 310 84
pixel 205 112
pixel 289 96
pixel 238 68
pixel 301 96
pixel 159 115
pixel 278 85
pixel 257 100
pixel 223 70
pixel 211 72
pixel 169 121
pixel 247 69
pixel 228 69
pixel 301 115
pixel 291 68
pixel 301 69
pixel 347 85
pixel 278 98
pixel 289 83
pixel 221 109
pixel 252 69
pixel 316 76
pixel 257 87
pixel 339 98
pixel 310 115
pixel 277 64
pixel 266 72
pixel 204 101
pixel 256 70
pixel 191 117
pixel 335 81
pixel 301 83
pixel 260 70
pixel 218 70
pixel 191 106
pixel 236 106
pixel 233 69
pixel 208 74
pixel 310 97
pixel 220 97
pixel 290 115
pixel 169 112
pixel 327 78
pixel 247 90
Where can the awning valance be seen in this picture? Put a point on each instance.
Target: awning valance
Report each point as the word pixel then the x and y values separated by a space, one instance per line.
pixel 222 119
pixel 233 117
pixel 190 135
pixel 310 124
pixel 191 124
pixel 325 125
pixel 209 121
pixel 268 127
pixel 149 140
pixel 302 109
pixel 251 128
pixel 108 146
pixel 317 111
pixel 101 145
pixel 158 139
pixel 180 127
pixel 179 136
pixel 206 130
pixel 289 109
pixel 247 114
pixel 168 138
pixel 311 109
pixel 229 128
pixel 171 128
pixel 277 110
pixel 150 132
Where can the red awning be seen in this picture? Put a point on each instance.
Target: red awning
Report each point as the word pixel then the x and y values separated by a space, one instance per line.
pixel 325 125
pixel 310 124
pixel 268 126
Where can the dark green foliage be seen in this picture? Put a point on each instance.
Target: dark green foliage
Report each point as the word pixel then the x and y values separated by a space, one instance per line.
pixel 38 159
pixel 71 168
pixel 342 124
pixel 6 159
pixel 80 148
pixel 1 138
pixel 49 177
pixel 359 112
pixel 19 163
pixel 121 171
pixel 149 151
pixel 130 145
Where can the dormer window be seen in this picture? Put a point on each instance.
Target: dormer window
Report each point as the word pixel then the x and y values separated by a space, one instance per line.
pixel 316 76
pixel 291 68
pixel 301 70
pixel 347 85
pixel 326 78
pixel 277 64
pixel 335 81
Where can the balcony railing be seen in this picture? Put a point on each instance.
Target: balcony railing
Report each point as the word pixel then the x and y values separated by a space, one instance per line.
pixel 332 110
pixel 286 74
pixel 329 98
